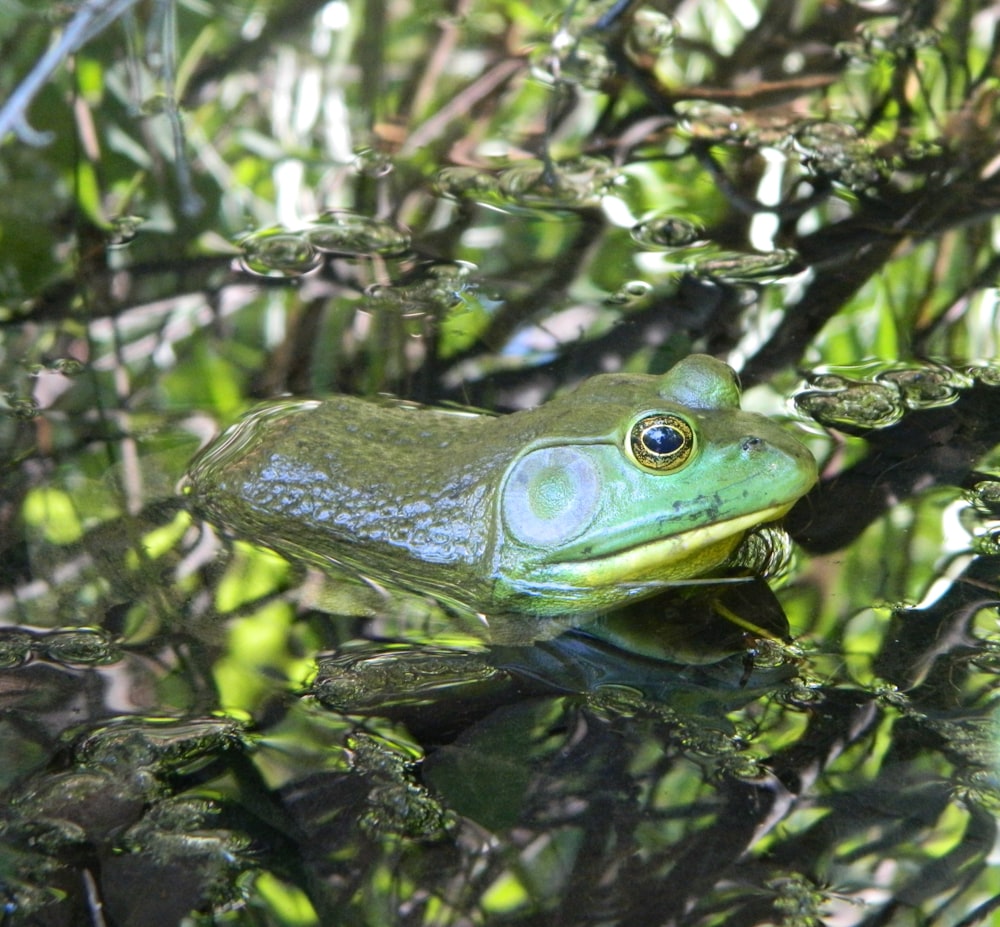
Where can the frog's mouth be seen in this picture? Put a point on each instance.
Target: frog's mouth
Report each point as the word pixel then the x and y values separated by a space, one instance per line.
pixel 680 556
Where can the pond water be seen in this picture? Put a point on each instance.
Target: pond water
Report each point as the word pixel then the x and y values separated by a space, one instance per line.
pixel 483 204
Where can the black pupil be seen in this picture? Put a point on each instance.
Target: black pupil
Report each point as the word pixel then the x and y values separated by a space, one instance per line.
pixel 662 440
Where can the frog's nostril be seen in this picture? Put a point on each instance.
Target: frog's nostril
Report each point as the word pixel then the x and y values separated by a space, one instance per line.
pixel 752 443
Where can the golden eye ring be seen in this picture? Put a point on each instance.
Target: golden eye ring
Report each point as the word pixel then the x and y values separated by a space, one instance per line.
pixel 661 442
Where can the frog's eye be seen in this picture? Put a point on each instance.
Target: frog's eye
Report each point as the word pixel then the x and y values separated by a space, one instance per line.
pixel 661 442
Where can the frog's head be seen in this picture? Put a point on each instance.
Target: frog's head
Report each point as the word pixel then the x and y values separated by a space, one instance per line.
pixel 649 480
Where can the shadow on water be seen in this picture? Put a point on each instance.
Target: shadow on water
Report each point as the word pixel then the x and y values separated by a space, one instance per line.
pixel 482 206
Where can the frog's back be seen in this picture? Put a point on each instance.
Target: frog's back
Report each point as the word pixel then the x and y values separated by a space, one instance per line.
pixel 330 478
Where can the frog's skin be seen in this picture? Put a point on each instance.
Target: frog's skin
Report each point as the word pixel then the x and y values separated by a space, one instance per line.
pixel 559 510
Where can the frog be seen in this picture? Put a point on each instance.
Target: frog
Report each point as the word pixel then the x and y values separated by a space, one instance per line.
pixel 608 493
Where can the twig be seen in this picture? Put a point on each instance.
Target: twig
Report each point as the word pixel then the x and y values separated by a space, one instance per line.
pixel 91 19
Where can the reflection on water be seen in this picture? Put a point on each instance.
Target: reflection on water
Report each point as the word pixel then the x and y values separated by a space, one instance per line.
pixel 515 781
pixel 483 208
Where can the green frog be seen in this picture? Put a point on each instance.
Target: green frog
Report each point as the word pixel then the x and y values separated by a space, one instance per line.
pixel 601 496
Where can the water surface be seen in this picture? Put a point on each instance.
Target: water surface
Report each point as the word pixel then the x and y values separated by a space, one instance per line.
pixel 482 205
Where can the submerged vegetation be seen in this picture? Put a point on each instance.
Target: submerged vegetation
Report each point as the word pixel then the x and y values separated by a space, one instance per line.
pixel 482 203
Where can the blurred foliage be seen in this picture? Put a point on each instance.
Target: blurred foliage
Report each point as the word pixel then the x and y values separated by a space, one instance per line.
pixel 484 202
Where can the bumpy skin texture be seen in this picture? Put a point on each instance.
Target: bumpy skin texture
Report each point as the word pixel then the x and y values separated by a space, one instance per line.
pixel 545 512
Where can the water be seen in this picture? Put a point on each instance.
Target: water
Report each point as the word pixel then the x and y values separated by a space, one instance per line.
pixel 483 207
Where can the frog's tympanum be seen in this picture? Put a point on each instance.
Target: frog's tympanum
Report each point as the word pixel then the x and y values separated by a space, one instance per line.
pixel 601 496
